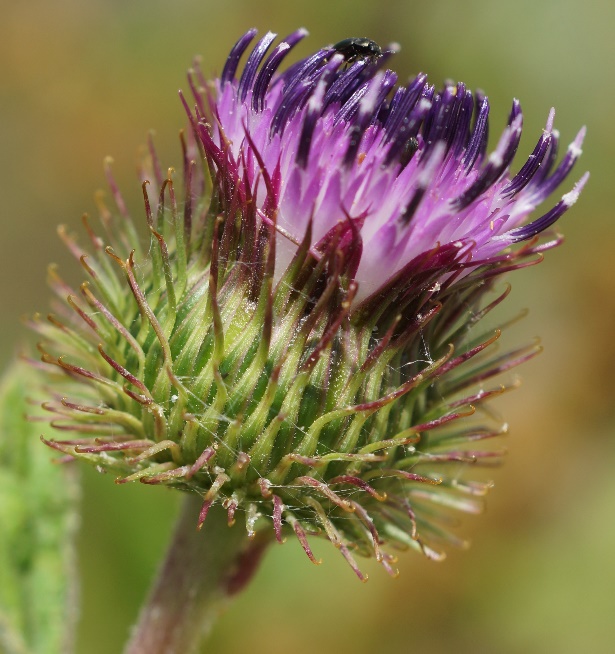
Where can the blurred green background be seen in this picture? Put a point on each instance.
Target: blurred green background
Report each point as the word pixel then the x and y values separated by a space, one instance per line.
pixel 81 79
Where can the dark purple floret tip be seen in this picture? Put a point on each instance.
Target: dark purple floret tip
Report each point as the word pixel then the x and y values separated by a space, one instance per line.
pixel 413 162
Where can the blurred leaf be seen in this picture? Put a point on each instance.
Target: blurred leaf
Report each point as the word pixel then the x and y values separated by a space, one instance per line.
pixel 37 526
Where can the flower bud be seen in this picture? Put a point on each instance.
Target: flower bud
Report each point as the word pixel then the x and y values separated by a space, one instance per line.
pixel 301 339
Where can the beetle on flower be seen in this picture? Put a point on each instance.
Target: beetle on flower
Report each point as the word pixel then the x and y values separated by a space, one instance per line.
pixel 301 341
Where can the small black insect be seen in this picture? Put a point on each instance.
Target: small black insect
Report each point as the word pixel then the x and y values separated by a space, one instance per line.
pixel 408 151
pixel 358 47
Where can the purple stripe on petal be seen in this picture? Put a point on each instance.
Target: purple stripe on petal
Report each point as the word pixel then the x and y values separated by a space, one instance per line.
pixel 347 83
pixel 561 172
pixel 251 67
pixel 403 107
pixel 542 223
pixel 230 67
pixel 497 163
pixel 460 141
pixel 297 90
pixel 441 124
pixel 515 112
pixel 531 166
pixel 547 166
pixel 480 134
pixel 407 131
pixel 271 65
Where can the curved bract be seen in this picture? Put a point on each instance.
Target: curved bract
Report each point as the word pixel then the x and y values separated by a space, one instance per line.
pixel 301 339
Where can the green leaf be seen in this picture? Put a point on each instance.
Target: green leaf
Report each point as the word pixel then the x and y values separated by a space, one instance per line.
pixel 37 524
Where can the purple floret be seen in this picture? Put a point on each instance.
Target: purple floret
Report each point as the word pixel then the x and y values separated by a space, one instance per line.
pixel 330 140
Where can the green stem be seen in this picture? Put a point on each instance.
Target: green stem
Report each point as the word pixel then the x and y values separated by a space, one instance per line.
pixel 202 570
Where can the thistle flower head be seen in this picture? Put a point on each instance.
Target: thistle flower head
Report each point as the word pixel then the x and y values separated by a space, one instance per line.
pixel 301 339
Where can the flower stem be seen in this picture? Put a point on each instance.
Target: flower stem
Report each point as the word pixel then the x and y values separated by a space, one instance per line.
pixel 202 570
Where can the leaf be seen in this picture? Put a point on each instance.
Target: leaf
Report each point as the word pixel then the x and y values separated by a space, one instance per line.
pixel 38 521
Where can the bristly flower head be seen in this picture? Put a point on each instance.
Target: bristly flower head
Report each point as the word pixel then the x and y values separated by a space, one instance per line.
pixel 300 341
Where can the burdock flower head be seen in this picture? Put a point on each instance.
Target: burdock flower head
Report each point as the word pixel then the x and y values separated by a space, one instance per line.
pixel 301 339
